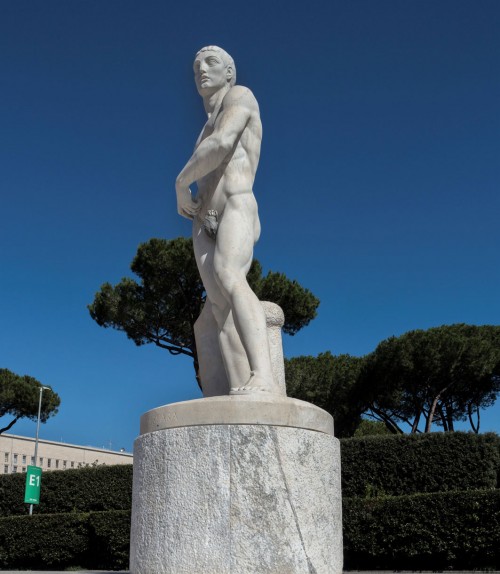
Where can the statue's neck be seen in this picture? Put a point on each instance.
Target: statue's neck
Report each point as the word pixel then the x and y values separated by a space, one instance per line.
pixel 214 101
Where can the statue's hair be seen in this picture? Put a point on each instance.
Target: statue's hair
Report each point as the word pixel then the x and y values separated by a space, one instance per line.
pixel 226 58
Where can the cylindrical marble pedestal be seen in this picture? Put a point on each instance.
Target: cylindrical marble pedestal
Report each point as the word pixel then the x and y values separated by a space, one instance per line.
pixel 236 485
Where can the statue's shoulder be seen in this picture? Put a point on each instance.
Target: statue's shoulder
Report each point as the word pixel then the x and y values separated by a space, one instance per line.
pixel 240 95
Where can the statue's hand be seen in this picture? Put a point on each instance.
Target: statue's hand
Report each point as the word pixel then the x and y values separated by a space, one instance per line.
pixel 186 205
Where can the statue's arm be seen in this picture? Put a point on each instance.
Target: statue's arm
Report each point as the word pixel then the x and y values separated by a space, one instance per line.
pixel 238 106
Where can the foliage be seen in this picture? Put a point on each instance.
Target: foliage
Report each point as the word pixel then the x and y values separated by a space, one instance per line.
pixel 163 306
pixel 393 465
pixel 109 539
pixel 74 490
pixel 90 540
pixel 459 528
pixel 422 531
pixel 369 428
pixel 432 532
pixel 327 382
pixel 407 464
pixel 299 304
pixel 20 396
pixel 441 375
pixel 40 542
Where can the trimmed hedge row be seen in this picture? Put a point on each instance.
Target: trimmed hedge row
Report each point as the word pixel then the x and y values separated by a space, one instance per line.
pixel 371 466
pixel 417 532
pixel 95 540
pixel 437 531
pixel 87 489
pixel 405 464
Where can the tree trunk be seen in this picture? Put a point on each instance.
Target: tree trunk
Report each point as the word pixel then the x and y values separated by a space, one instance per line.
pixel 431 414
pixel 433 408
pixel 475 428
pixel 389 423
pixel 449 417
pixel 444 419
pixel 10 425
pixel 414 426
pixel 451 426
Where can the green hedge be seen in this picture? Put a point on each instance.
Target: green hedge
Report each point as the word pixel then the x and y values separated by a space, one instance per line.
pixel 109 540
pixel 84 516
pixel 87 489
pixel 424 531
pixel 371 466
pixel 458 530
pixel 406 464
pixel 96 540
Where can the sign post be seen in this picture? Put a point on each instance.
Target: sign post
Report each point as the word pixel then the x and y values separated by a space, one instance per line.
pixel 33 482
pixel 35 460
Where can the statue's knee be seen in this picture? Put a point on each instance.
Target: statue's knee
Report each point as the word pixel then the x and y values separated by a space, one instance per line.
pixel 224 278
pixel 229 279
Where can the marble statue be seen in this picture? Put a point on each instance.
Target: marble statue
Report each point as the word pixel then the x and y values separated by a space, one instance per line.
pixel 263 463
pixel 231 339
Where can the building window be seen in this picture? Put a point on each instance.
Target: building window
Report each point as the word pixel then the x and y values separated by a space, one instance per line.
pixel 24 469
pixel 6 457
pixel 72 464
pixel 65 462
pixel 15 458
pixel 32 460
pixel 49 462
pixel 6 469
pixel 14 469
pixel 24 459
pixel 41 461
pixel 57 463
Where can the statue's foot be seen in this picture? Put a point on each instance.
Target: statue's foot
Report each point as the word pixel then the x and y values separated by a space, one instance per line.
pixel 255 384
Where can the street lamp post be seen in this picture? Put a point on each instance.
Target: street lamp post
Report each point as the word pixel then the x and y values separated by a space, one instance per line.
pixel 38 430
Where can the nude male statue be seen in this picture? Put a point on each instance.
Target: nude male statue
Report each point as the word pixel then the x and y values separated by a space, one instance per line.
pixel 232 326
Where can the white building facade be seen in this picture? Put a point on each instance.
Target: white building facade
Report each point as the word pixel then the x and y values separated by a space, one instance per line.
pixel 17 452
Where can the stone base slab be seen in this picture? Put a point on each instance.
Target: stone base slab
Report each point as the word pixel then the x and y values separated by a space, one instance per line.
pixel 257 409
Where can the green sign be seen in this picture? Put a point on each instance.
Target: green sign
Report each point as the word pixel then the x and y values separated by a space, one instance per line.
pixel 33 481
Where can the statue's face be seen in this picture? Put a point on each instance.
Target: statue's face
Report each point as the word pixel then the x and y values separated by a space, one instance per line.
pixel 210 73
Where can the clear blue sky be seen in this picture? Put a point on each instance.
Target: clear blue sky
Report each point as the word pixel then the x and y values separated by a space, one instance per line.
pixel 378 184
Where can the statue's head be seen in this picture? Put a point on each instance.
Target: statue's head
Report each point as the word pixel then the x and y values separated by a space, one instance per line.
pixel 213 69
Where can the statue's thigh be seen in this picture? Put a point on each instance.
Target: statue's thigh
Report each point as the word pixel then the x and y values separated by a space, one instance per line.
pixel 235 240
